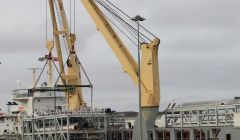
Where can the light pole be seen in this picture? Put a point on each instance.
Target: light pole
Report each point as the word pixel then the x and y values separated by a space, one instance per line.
pixel 137 19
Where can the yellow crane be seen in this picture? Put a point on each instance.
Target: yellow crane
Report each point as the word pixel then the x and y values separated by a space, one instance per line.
pixel 150 85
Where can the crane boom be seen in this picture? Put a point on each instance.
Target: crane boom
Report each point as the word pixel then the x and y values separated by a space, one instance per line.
pixel 128 63
pixel 149 62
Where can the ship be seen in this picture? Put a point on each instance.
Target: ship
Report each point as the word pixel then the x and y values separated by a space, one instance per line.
pixel 216 120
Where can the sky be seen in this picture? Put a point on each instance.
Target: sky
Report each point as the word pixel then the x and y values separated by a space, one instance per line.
pixel 198 55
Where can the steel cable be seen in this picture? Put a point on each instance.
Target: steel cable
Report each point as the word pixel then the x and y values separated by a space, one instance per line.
pixel 120 19
pixel 129 17
pixel 128 25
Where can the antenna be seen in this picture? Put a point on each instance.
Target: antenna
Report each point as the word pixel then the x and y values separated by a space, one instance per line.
pixel 19 84
pixel 34 72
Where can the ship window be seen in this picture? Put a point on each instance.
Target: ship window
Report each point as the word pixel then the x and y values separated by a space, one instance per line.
pixel 228 136
pixel 238 108
pixel 1 119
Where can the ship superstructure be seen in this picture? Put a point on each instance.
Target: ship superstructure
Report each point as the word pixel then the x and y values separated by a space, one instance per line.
pixel 216 120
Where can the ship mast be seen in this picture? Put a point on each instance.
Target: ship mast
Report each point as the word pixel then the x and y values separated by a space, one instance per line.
pixel 49 46
pixel 34 73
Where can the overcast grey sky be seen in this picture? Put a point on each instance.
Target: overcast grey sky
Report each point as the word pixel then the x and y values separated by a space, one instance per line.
pixel 198 56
